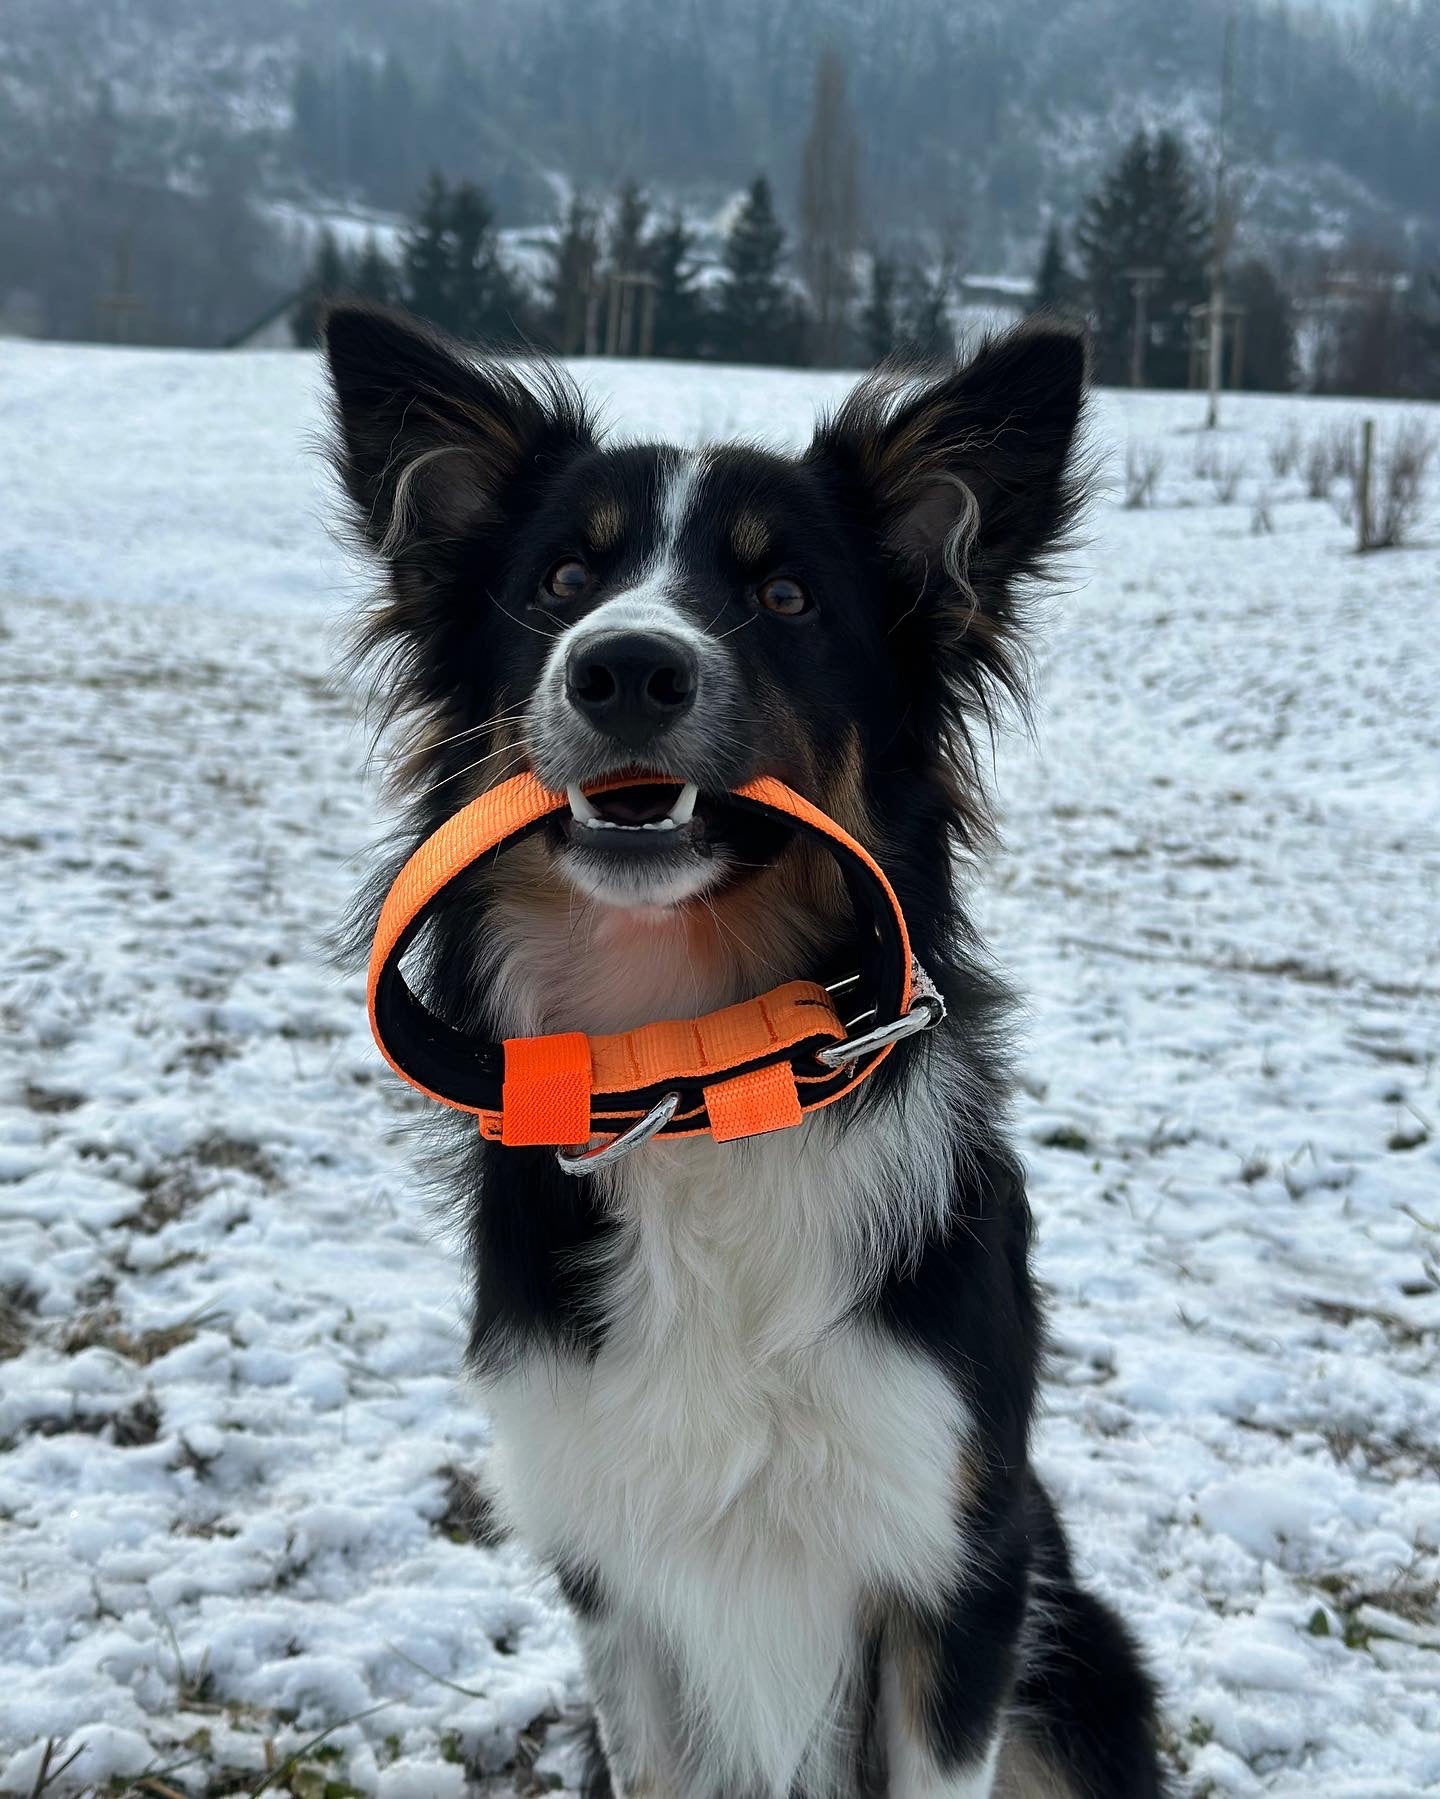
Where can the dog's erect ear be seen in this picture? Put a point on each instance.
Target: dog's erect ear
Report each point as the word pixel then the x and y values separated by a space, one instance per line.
pixel 430 437
pixel 969 469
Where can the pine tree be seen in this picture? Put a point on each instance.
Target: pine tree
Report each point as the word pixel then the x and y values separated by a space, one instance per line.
pixel 426 256
pixel 627 232
pixel 1268 322
pixel 1055 288
pixel 878 326
pixel 574 258
pixel 1146 214
pixel 757 319
pixel 679 309
pixel 451 269
pixel 926 293
pixel 375 276
pixel 485 302
pixel 330 276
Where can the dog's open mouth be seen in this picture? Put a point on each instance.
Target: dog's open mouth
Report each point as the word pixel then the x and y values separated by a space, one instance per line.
pixel 654 838
pixel 651 814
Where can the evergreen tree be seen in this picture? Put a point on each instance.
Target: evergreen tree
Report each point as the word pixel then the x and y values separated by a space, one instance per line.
pixel 451 269
pixel 1055 285
pixel 926 293
pixel 425 255
pixel 757 319
pixel 574 258
pixel 330 277
pixel 1146 214
pixel 1269 327
pixel 627 232
pixel 679 307
pixel 374 276
pixel 878 323
pixel 485 300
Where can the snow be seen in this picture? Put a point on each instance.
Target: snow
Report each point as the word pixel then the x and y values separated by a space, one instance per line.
pixel 235 1446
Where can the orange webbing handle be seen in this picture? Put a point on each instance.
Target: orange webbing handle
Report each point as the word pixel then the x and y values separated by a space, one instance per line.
pixel 568 1087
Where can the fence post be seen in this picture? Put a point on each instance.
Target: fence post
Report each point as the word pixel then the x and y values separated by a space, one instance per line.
pixel 1367 457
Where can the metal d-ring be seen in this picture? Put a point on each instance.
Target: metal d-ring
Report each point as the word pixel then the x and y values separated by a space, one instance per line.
pixel 617 1148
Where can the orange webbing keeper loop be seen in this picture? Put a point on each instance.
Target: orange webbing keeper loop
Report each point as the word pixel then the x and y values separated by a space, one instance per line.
pixel 749 1105
pixel 737 1072
pixel 546 1095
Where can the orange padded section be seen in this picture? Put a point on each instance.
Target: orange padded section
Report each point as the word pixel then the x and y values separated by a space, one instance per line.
pixel 546 1096
pixel 687 1049
pixel 749 1105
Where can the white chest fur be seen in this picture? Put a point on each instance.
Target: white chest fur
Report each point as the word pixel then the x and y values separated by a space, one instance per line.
pixel 744 1462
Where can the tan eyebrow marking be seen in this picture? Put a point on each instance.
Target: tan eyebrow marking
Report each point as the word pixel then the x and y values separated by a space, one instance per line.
pixel 750 536
pixel 607 522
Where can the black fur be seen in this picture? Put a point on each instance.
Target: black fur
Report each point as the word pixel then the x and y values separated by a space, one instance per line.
pixel 469 478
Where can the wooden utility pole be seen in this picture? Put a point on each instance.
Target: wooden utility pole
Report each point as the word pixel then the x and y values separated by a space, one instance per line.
pixel 1224 226
pixel 1363 509
pixel 1141 281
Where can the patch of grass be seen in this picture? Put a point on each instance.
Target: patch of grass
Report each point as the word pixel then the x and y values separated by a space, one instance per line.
pixel 168 1195
pixel 233 1153
pixel 1066 1136
pixel 131 1427
pixel 469 1514
pixel 17 1311
pixel 170 1192
pixel 102 1328
pixel 1144 465
pixel 50 1101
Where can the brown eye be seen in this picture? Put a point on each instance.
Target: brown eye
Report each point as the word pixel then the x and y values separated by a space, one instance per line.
pixel 568 580
pixel 781 595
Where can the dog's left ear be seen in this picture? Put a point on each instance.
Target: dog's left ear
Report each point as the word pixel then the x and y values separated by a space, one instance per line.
pixel 968 471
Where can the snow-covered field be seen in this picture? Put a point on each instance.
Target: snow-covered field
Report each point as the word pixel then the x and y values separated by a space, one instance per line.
pixel 238 1537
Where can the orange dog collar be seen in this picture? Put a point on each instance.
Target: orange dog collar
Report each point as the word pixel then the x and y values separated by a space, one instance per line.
pixel 742 1071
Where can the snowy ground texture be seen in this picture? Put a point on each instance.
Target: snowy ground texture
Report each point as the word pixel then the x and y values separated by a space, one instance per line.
pixel 239 1546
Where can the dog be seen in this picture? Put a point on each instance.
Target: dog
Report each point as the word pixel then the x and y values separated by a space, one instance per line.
pixel 763 1408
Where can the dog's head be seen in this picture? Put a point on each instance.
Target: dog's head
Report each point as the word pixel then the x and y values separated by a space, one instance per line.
pixel 691 619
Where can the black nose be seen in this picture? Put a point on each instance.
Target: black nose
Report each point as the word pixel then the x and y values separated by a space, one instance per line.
pixel 632 684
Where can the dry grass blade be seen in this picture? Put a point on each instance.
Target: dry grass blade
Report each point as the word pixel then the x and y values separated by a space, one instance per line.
pixel 282 1768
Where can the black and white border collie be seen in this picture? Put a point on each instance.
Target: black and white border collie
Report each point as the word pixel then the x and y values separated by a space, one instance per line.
pixel 762 1408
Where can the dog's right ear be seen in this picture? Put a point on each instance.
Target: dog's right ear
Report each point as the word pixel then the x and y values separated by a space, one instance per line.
pixel 430 437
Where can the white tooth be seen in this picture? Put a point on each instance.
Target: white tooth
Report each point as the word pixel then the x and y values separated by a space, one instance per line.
pixel 663 824
pixel 684 808
pixel 580 807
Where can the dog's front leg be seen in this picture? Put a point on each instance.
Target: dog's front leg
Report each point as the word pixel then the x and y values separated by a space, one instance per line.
pixel 944 1684
pixel 637 1704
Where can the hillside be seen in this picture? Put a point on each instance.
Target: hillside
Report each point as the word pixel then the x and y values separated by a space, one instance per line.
pixel 977 121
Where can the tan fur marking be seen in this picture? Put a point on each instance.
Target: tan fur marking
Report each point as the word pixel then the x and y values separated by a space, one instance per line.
pixel 842 791
pixel 750 538
pixel 607 523
pixel 967 1485
pixel 1024 1773
pixel 914 1660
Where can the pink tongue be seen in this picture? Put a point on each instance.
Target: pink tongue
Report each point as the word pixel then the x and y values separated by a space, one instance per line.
pixel 635 805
